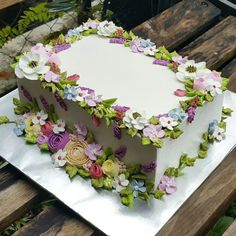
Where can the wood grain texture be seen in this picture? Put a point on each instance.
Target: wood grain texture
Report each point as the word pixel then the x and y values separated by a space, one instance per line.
pixel 216 46
pixel 8 3
pixel 231 231
pixel 178 23
pixel 54 222
pixel 15 201
pixel 230 71
pixel 7 176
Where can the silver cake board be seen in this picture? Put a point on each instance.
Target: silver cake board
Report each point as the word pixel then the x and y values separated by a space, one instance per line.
pixel 103 209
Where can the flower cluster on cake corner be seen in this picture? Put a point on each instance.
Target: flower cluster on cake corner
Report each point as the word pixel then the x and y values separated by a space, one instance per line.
pixel 74 147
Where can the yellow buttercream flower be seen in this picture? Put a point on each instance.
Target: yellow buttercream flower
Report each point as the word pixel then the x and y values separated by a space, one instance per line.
pixel 30 128
pixel 110 168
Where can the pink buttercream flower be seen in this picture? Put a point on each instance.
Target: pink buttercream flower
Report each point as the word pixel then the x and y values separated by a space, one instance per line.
pixel 214 75
pixel 168 184
pixel 96 171
pixel 199 84
pixel 52 77
pixel 46 129
pixel 136 46
pixel 180 92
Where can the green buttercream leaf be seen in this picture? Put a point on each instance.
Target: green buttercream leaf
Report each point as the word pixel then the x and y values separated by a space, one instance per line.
pixel 108 151
pixel 13 66
pixel 202 154
pixel 101 159
pixel 149 186
pixel 224 83
pixel 187 161
pixel 109 102
pixel 4 120
pixel 107 184
pixel 172 171
pixel 159 194
pixel 90 138
pixel 128 200
pixel 158 142
pixel 52 114
pixel 139 176
pixel 132 132
pixel 204 146
pixel 208 97
pixel 175 133
pixel 184 105
pixel 222 125
pixel 134 169
pixel 153 120
pixel 205 136
pixel 71 171
pixel 143 196
pixel 51 86
pixel 126 191
pixel 227 111
pixel 82 172
pixel 44 147
pixel 126 44
pixel 97 183
pixel 30 139
pixel 146 141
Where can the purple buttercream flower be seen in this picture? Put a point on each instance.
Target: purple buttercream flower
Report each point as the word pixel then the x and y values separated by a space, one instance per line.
pixel 117 40
pixel 81 131
pixel 116 131
pixel 92 99
pixel 179 59
pixel 191 114
pixel 161 62
pixel 58 141
pixel 60 101
pixel 120 108
pixel 153 132
pixel 120 152
pixel 89 90
pixel 61 47
pixel 168 184
pixel 93 151
pixel 149 167
pixel 42 139
pixel 44 103
pixel 136 46
pixel 26 93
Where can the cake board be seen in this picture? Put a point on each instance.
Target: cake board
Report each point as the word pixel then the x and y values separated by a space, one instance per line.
pixel 102 209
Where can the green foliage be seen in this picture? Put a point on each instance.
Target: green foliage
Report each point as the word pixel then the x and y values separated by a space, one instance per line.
pixel 4 120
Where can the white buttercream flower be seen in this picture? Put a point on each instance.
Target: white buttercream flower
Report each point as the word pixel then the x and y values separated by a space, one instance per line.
pixel 219 134
pixel 107 28
pixel 31 65
pixel 135 119
pixel 168 122
pixel 120 183
pixel 191 70
pixel 82 93
pixel 59 158
pixel 40 118
pixel 150 50
pixel 59 127
pixel 214 87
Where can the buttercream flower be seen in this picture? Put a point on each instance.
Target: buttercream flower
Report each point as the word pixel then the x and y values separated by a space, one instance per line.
pixel 168 122
pixel 90 24
pixel 20 127
pixel 81 94
pixel 75 31
pixel 59 158
pixel 146 43
pixel 30 128
pixel 122 166
pixel 120 152
pixel 58 141
pixel 138 186
pixel 150 167
pixel 106 28
pixel 214 87
pixel 93 151
pixel 42 139
pixel 70 93
pixel 214 75
pixel 153 132
pixel 46 50
pixel 59 126
pixel 161 62
pixel 96 121
pixel 110 168
pixel 219 134
pixel 120 112
pixel 117 40
pixel 212 127
pixel 61 47
pixel 150 50
pixel 51 77
pixel 179 59
pixel 73 77
pixel 40 118
pixel 168 184
pixel 92 99
pixel 76 152
pixel 81 131
pixel 136 46
pixel 116 131
pixel 191 111
pixel 120 183
pixel 177 114
pixel 46 129
pixel 87 165
pixel 200 84
pixel 135 119
pixel 191 70
pixel 31 65
pixel 96 171
pixel 180 93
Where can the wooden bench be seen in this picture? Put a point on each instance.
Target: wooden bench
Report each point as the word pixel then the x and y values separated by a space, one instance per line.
pixel 195 28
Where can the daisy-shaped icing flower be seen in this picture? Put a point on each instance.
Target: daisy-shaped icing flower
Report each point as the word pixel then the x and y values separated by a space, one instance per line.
pixel 168 122
pixel 219 134
pixel 150 50
pixel 120 183
pixel 191 70
pixel 59 158
pixel 40 118
pixel 59 127
pixel 214 87
pixel 31 65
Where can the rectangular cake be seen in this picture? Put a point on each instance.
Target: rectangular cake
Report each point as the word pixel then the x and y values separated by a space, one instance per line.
pixel 118 110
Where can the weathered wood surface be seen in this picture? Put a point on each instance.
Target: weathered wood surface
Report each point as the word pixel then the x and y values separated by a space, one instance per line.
pixel 54 222
pixel 179 23
pixel 231 231
pixel 230 71
pixel 216 46
pixel 8 3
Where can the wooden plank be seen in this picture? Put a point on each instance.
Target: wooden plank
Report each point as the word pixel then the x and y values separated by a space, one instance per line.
pixel 53 221
pixel 230 71
pixel 7 176
pixel 8 3
pixel 231 231
pixel 179 23
pixel 216 46
pixel 15 201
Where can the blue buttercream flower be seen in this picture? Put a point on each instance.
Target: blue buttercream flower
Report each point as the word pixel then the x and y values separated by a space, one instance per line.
pixel 71 93
pixel 20 127
pixel 138 186
pixel 177 114
pixel 74 32
pixel 212 127
pixel 146 43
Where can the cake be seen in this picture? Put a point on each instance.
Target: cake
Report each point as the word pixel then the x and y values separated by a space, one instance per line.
pixel 118 110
